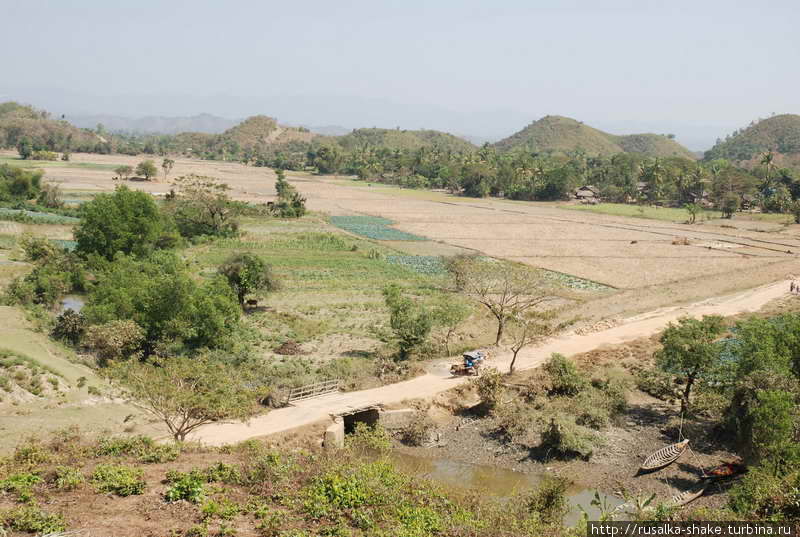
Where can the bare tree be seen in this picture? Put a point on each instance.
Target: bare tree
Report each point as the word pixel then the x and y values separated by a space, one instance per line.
pixel 186 393
pixel 505 289
pixel 531 327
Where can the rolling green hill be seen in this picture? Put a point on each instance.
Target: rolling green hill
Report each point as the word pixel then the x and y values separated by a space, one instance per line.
pixel 262 131
pixel 780 134
pixel 19 121
pixel 403 139
pixel 558 134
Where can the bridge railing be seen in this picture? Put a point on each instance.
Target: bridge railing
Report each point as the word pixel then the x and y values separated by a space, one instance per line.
pixel 313 390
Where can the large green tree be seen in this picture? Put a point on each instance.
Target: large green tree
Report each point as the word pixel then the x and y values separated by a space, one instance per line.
pixel 147 169
pixel 201 206
pixel 247 273
pixel 125 221
pixel 410 321
pixel 690 349
pixel 176 313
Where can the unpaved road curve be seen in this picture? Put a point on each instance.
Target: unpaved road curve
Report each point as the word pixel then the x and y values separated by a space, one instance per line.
pixel 438 378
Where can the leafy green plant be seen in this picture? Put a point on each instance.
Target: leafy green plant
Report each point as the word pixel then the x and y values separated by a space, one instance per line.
pixel 117 446
pixel 224 509
pixel 564 376
pixel 369 439
pixel 187 487
pixel 160 453
pixel 118 479
pixel 21 484
pixel 32 519
pixel 223 473
pixel 67 478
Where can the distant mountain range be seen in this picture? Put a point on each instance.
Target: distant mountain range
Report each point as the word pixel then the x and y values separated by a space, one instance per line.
pixel 208 133
pixel 155 124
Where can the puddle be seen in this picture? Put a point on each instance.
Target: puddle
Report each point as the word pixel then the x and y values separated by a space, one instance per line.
pixel 497 482
pixel 72 302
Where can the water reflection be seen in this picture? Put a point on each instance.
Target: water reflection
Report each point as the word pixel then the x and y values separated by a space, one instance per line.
pixel 497 482
pixel 72 302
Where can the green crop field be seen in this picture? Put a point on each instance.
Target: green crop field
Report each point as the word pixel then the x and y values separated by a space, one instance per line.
pixel 373 227
pixel 31 217
pixel 640 211
pixel 20 163
pixel 424 264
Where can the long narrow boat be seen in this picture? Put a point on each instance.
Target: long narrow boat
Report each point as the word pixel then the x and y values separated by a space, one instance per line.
pixel 664 456
pixel 689 495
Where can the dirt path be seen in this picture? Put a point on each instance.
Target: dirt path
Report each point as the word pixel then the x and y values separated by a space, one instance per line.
pixel 438 378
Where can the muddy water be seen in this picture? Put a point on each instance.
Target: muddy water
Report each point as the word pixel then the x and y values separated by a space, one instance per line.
pixel 72 302
pixel 498 482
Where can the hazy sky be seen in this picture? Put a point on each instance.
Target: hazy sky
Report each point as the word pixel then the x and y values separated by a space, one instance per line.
pixel 701 62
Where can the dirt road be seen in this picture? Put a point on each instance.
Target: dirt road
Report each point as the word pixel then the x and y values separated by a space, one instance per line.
pixel 438 378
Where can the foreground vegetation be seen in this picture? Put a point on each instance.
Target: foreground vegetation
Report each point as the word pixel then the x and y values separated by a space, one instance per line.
pixel 738 388
pixel 249 490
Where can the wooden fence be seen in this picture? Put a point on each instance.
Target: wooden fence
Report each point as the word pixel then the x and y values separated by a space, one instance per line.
pixel 313 390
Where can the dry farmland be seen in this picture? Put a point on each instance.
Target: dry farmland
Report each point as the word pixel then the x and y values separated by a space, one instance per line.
pixel 651 263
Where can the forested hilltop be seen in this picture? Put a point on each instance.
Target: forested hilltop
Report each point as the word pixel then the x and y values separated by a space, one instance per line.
pixel 546 161
pixel 778 134
pixel 557 134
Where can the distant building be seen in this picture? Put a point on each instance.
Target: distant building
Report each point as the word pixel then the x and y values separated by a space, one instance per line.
pixel 587 192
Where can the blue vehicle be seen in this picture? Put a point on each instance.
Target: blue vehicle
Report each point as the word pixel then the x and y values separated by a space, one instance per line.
pixel 471 365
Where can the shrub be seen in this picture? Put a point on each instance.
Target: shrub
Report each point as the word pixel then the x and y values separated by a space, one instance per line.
pixel 564 436
pixel 763 495
pixel 115 340
pixel 548 501
pixel 37 248
pixel 70 327
pixel 50 196
pixel 117 446
pixel 564 376
pixel 223 473
pixel 67 478
pixel 159 453
pixel 31 452
pixel 187 487
pixel 44 155
pixel 489 386
pixel 418 431
pixel 366 438
pixel 32 519
pixel 20 484
pixel 514 422
pixel 118 479
pixel 224 509
pixel 18 183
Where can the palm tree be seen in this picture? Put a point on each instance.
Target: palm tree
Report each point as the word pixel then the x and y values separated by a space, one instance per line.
pixel 768 160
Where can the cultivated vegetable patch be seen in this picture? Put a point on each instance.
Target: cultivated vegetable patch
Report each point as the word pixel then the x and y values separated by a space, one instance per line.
pixel 373 227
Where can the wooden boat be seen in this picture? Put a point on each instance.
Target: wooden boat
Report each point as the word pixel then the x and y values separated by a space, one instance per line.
pixel 664 456
pixel 727 469
pixel 688 496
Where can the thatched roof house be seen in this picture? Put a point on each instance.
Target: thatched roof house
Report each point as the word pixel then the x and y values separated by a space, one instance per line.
pixel 587 192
